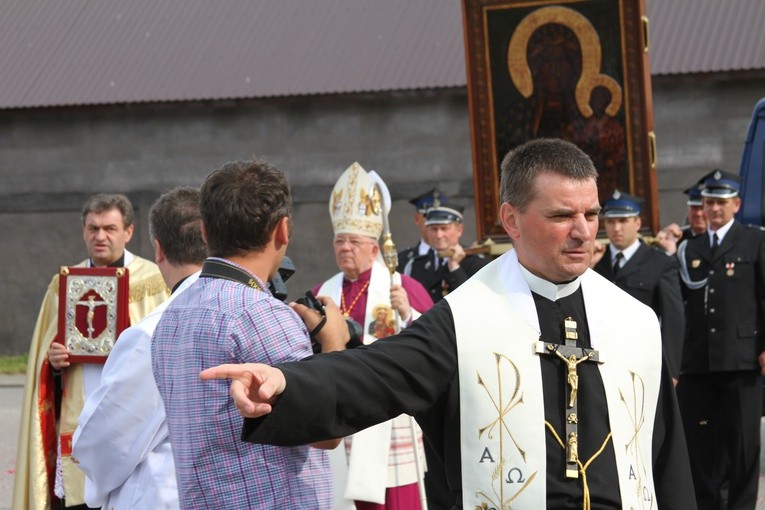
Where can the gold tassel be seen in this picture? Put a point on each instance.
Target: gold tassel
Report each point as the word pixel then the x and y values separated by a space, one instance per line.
pixel 582 468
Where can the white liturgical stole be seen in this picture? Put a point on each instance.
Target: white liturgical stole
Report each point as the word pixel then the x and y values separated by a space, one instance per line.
pixel 369 472
pixel 503 432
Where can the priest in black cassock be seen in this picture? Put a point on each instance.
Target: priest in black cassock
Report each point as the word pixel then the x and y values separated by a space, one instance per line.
pixel 538 382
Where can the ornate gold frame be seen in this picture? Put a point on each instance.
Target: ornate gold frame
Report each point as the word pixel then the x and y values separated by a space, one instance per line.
pixel 93 311
pixel 608 96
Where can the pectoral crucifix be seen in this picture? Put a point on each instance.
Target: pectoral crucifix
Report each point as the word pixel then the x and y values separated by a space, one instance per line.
pixel 571 355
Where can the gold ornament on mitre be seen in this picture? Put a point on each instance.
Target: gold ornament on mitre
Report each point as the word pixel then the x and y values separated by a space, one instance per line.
pixel 355 205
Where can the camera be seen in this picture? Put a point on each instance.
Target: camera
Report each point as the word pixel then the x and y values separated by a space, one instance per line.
pixel 276 284
pixel 279 291
pixel 354 328
pixel 310 301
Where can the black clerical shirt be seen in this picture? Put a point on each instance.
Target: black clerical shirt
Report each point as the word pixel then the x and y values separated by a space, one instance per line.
pixel 602 479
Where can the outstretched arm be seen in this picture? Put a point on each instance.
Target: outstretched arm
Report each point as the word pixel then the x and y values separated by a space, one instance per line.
pixel 337 394
pixel 254 386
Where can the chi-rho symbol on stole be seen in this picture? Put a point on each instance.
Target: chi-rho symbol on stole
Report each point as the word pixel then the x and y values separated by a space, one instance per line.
pixel 502 442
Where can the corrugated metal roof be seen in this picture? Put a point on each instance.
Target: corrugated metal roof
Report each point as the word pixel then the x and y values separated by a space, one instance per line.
pixel 55 52
pixel 706 36
pixel 73 52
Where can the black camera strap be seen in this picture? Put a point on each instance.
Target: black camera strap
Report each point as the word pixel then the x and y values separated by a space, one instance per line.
pixel 213 268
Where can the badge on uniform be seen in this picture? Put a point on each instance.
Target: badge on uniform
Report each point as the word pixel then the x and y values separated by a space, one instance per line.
pixel 695 263
pixel 729 266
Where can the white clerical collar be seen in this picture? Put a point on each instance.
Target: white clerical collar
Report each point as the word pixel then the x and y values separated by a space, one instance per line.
pixel 549 290
pixel 628 252
pixel 422 248
pixel 128 259
pixel 720 231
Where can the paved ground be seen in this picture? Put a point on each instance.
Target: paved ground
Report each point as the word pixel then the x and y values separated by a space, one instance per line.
pixel 11 391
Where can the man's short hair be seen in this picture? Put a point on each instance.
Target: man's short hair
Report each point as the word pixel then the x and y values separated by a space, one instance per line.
pixel 176 223
pixel 522 165
pixel 103 202
pixel 241 204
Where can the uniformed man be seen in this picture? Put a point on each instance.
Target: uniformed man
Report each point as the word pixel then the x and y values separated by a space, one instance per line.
pixel 673 234
pixel 421 204
pixel 723 275
pixel 647 274
pixel 446 265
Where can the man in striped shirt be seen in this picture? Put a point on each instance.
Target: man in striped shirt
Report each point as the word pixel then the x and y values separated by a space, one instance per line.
pixel 229 315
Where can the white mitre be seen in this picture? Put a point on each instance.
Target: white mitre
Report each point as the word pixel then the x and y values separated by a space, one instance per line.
pixel 355 204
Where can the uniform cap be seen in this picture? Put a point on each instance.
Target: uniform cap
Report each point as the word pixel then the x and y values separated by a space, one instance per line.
pixel 694 195
pixel 720 184
pixel 444 214
pixel 622 205
pixel 430 198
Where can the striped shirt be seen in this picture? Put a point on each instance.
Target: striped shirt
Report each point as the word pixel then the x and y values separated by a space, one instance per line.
pixel 220 321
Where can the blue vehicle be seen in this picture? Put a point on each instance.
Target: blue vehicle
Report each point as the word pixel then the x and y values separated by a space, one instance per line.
pixel 752 170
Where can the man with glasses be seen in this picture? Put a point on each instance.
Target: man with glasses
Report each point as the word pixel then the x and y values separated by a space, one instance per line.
pixel 381 464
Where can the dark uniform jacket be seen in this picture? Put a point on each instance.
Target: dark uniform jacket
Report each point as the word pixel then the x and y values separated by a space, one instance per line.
pixel 405 255
pixel 439 282
pixel 687 233
pixel 724 318
pixel 651 276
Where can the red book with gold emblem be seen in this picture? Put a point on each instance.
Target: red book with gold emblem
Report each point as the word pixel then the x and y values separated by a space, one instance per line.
pixel 93 311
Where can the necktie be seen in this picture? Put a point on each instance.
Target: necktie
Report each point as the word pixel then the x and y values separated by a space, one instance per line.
pixel 433 258
pixel 715 243
pixel 618 262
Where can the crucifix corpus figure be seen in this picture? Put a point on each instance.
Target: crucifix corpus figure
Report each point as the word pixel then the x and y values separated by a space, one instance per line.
pixel 91 303
pixel 572 377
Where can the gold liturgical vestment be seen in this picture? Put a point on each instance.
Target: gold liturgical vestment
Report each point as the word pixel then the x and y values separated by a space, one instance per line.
pixel 36 453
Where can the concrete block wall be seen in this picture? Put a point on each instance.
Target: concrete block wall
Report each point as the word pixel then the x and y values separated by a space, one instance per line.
pixel 700 125
pixel 51 160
